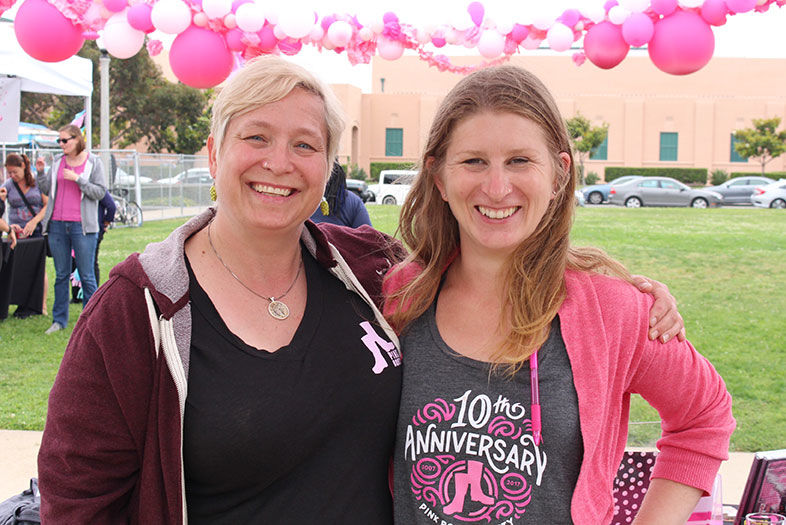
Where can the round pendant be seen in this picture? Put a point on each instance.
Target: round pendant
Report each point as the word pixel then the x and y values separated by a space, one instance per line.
pixel 278 310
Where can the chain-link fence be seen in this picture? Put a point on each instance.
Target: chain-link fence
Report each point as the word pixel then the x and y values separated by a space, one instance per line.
pixel 163 185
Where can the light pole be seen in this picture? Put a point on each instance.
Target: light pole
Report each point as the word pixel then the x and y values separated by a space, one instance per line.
pixel 103 64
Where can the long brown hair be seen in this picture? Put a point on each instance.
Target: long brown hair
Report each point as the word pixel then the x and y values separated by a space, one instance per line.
pixel 20 160
pixel 535 278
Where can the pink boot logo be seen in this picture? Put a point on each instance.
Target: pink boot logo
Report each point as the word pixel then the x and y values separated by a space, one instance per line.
pixel 472 480
pixel 375 344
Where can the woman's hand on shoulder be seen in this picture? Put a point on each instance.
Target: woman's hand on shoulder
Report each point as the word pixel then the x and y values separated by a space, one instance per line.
pixel 665 320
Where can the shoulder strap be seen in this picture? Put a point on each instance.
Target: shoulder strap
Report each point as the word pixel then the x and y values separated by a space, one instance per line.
pixel 22 194
pixel 153 315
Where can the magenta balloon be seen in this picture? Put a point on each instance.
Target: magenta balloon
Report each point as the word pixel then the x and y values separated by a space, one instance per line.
pixel 200 58
pixel 714 12
pixel 570 17
pixel 664 7
pixel 519 33
pixel 390 16
pixel 327 21
pixel 682 43
pixel 235 39
pixel 238 3
pixel 637 29
pixel 44 33
pixel 290 46
pixel 740 6
pixel 604 45
pixel 609 4
pixel 139 17
pixel 476 12
pixel 438 41
pixel 115 5
pixel 267 38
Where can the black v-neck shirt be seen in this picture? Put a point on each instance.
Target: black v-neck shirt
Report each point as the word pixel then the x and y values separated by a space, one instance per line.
pixel 300 435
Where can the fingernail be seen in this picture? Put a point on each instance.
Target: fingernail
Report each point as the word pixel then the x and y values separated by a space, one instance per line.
pixel 654 334
pixel 653 321
pixel 665 337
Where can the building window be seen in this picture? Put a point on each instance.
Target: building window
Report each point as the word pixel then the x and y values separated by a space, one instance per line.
pixel 668 146
pixel 394 142
pixel 735 157
pixel 602 151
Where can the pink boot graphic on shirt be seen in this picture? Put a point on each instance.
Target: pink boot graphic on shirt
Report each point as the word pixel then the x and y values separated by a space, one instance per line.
pixel 375 345
pixel 471 479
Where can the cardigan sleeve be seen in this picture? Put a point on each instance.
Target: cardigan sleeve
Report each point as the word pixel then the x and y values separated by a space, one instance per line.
pixel 94 184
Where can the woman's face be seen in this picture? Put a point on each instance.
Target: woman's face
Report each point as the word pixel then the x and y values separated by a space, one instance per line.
pixel 498 179
pixel 69 147
pixel 272 167
pixel 16 173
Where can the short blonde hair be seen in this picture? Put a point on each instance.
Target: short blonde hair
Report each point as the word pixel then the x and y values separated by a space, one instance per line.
pixel 269 79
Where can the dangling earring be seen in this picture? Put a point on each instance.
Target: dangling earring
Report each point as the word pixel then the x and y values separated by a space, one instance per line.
pixel 213 194
pixel 324 207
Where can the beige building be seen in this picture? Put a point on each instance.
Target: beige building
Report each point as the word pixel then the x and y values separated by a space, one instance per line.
pixel 655 119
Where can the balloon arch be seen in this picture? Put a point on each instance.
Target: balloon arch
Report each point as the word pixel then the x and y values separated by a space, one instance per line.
pixel 212 37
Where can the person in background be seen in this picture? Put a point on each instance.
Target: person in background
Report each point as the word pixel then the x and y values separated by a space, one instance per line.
pixel 106 214
pixel 75 183
pixel 343 207
pixel 520 356
pixel 5 228
pixel 26 208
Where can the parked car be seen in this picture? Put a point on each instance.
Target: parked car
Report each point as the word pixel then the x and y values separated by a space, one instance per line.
pixel 360 188
pixel 599 193
pixel 739 189
pixel 662 191
pixel 579 198
pixel 127 179
pixel 393 186
pixel 189 176
pixel 770 196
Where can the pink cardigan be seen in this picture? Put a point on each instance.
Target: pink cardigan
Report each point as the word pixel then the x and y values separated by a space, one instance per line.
pixel 604 325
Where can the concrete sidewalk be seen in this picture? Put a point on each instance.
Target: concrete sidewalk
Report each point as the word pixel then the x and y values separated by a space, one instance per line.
pixel 19 448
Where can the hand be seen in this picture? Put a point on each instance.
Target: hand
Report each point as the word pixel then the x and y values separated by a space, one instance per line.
pixel 29 228
pixel 3 193
pixel 70 174
pixel 12 236
pixel 665 321
pixel 39 164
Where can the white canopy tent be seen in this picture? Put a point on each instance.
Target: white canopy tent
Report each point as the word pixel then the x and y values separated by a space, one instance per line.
pixel 20 72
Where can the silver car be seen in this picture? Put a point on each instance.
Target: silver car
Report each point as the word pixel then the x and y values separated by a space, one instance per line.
pixel 661 191
pixel 770 196
pixel 739 189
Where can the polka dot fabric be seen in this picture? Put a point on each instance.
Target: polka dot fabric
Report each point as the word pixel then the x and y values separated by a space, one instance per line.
pixel 630 485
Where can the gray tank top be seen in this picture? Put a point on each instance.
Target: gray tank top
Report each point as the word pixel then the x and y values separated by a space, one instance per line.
pixel 464 449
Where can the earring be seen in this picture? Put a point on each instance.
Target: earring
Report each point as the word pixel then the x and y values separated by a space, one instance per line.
pixel 324 207
pixel 213 194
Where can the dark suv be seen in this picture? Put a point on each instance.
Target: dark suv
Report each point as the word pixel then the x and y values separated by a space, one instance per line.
pixel 360 188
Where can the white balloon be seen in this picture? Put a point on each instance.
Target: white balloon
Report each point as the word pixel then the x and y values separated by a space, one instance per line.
pixel 506 26
pixel 559 37
pixel 531 43
pixel 365 34
pixel 271 16
pixel 317 33
pixel 460 20
pixel 594 11
pixel 250 17
pixel 491 44
pixel 171 16
pixel 120 39
pixel 543 20
pixel 423 36
pixel 340 33
pixel 635 6
pixel 390 49
pixel 296 23
pixel 279 33
pixel 618 14
pixel 377 27
pixel 216 8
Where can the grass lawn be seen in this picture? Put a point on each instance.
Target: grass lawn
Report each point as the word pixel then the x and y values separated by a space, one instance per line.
pixel 726 268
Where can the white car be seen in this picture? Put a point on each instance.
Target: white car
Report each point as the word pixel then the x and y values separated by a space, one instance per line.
pixel 190 176
pixel 393 187
pixel 123 178
pixel 770 196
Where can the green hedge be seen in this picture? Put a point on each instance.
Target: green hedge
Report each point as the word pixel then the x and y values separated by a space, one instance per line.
pixel 376 167
pixel 775 175
pixel 686 175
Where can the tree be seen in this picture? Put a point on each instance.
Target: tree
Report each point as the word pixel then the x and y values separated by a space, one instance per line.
pixel 143 106
pixel 585 138
pixel 762 141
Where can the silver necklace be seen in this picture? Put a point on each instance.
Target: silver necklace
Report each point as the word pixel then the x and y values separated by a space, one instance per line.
pixel 275 307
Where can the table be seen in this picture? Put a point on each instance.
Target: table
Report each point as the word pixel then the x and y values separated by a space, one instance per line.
pixel 22 275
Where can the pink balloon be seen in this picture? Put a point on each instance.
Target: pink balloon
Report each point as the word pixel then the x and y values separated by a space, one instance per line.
pixel 139 17
pixel 604 45
pixel 290 46
pixel 389 17
pixel 714 12
pixel 238 3
pixel 200 58
pixel 519 33
pixel 390 49
pixel 235 40
pixel 327 21
pixel 44 33
pixel 637 29
pixel 115 6
pixel 438 41
pixel 682 43
pixel 476 12
pixel 664 7
pixel 267 39
pixel 740 6
pixel 570 17
pixel 609 4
